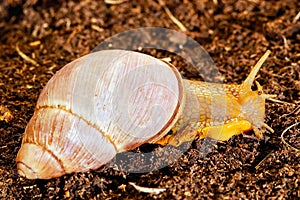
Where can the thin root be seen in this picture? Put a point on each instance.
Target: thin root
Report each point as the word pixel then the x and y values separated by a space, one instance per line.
pixel 278 101
pixel 25 57
pixel 97 28
pixel 282 136
pixel 174 19
pixel 296 17
pixel 262 161
pixel 268 127
pixel 270 96
pixel 114 1
pixel 147 189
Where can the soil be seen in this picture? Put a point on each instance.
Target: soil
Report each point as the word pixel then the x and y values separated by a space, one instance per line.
pixel 234 33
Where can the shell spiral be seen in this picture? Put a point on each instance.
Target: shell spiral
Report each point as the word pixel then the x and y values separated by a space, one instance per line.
pixel 96 106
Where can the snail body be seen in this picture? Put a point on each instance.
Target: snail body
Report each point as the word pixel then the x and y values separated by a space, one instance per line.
pixel 115 100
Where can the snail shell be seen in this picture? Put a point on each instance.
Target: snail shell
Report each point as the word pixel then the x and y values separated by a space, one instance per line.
pixel 115 100
pixel 96 106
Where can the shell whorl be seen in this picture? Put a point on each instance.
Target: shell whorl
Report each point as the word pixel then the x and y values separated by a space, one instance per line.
pixel 53 145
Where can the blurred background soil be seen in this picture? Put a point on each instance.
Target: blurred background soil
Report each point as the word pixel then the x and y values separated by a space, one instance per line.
pixel 234 33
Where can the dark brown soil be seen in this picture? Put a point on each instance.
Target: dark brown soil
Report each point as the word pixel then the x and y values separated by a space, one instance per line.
pixel 234 33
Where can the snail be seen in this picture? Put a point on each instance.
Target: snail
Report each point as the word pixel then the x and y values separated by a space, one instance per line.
pixel 113 101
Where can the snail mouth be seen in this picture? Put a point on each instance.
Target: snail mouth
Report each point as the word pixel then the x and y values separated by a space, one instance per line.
pixel 34 162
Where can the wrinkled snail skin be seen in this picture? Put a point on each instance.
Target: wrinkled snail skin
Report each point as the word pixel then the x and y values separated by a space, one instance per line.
pixel 220 111
pixel 115 100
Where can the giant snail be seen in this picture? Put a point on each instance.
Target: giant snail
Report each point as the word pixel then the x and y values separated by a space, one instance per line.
pixel 113 101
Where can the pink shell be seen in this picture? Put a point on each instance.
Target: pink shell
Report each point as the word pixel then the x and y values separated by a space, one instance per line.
pixel 96 106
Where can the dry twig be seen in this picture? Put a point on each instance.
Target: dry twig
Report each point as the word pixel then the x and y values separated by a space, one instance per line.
pixel 278 101
pixel 97 28
pixel 174 19
pixel 262 161
pixel 282 136
pixel 147 190
pixel 296 17
pixel 25 57
pixel 114 1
